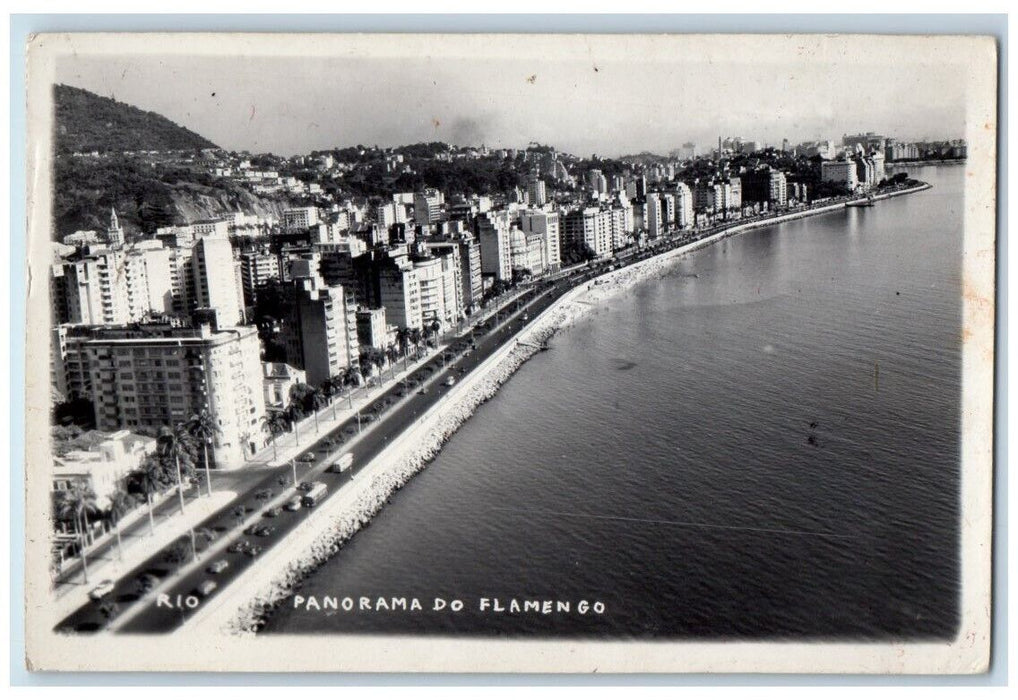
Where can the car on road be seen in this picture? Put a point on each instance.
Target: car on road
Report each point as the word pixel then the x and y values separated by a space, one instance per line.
pixel 102 590
pixel 218 567
pixel 264 530
pixel 424 390
pixel 272 512
pixel 147 582
pixel 238 546
pixel 305 486
pixel 450 381
pixel 250 530
pixel 264 494
pixel 293 504
pixel 253 551
pixel 307 457
pixel 206 588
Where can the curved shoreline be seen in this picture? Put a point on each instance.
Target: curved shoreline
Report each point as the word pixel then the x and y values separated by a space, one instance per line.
pixel 324 532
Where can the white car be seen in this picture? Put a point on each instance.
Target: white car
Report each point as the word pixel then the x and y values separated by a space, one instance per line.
pixel 102 590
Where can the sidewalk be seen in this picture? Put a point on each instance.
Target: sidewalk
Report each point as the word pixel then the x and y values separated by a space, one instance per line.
pixel 137 547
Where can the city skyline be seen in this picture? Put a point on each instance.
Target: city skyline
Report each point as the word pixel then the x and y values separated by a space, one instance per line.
pixel 609 104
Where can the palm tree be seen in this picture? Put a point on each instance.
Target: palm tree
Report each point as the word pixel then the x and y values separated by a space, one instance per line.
pixel 120 504
pixel 203 427
pixel 171 446
pixel 391 354
pixel 294 412
pixel 149 480
pixel 316 399
pixel 77 504
pixel 403 341
pixel 277 424
pixel 415 338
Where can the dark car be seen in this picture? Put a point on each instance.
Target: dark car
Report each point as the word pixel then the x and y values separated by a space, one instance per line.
pixel 253 551
pixel 147 582
pixel 305 486
pixel 272 512
pixel 238 546
pixel 307 457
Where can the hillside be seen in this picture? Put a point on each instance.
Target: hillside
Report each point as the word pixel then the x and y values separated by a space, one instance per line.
pixel 86 122
pixel 147 192
pixel 145 197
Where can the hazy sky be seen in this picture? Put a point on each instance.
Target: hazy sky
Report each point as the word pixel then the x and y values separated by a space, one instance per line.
pixel 581 104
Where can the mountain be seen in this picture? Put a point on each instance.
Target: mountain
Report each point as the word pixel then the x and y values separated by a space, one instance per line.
pixel 148 191
pixel 86 122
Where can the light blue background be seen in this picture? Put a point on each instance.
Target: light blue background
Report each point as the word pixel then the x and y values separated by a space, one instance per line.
pixel 23 25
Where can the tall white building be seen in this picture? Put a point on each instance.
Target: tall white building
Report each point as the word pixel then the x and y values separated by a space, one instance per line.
pixel 494 235
pixel 547 224
pixel 683 206
pixel 438 284
pixel 536 193
pixel 654 221
pixel 588 229
pixel 257 267
pixel 427 206
pixel 321 331
pixel 843 172
pixel 217 282
pixel 113 285
pixel 399 292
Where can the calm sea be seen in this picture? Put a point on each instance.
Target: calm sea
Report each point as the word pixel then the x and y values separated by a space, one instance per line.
pixel 762 443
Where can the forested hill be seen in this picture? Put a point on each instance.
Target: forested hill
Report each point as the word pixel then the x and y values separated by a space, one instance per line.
pixel 86 122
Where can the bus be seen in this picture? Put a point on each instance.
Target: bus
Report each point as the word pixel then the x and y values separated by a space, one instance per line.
pixel 343 463
pixel 314 495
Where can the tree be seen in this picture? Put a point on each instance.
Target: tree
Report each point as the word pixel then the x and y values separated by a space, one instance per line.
pixel 150 480
pixel 203 428
pixel 120 504
pixel 316 401
pixel 171 446
pixel 403 341
pixel 276 424
pixel 415 338
pixel 77 504
pixel 295 408
pixel 391 355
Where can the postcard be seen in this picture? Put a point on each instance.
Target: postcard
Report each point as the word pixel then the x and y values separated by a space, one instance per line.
pixel 510 353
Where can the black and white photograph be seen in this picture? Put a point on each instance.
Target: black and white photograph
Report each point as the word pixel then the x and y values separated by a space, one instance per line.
pixel 510 353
